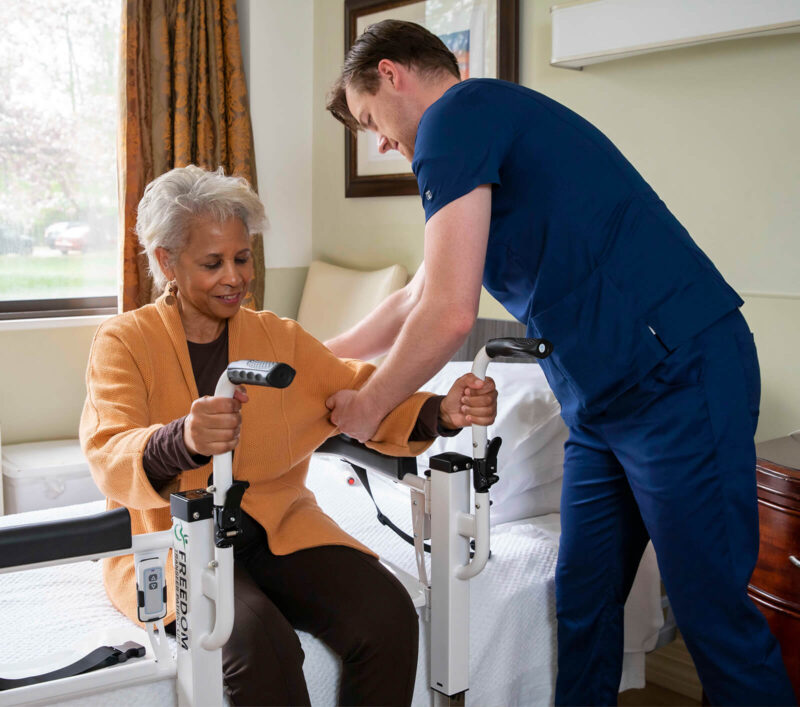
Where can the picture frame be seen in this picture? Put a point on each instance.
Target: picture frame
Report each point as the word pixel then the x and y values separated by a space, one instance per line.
pixel 484 35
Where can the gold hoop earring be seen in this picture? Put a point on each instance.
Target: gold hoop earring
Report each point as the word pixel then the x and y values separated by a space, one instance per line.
pixel 172 290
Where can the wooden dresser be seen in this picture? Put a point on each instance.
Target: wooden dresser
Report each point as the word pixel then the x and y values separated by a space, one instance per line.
pixel 775 584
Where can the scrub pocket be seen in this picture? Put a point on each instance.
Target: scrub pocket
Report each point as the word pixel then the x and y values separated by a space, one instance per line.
pixel 600 345
pixel 681 368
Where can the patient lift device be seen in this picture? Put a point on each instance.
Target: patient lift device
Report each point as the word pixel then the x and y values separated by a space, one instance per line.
pixel 440 507
pixel 205 521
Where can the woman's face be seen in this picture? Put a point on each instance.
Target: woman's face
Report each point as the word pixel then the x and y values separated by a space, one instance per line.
pixel 214 270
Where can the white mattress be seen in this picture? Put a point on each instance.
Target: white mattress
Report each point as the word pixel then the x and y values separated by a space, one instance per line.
pixel 512 637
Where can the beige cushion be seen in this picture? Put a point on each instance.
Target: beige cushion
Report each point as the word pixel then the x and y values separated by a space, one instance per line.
pixel 335 298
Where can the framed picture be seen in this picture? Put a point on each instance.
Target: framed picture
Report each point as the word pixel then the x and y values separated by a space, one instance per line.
pixel 483 34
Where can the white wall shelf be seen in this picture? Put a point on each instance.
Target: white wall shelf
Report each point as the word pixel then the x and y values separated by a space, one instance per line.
pixel 591 31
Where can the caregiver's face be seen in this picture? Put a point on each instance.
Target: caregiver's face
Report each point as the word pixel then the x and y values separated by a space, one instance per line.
pixel 391 116
pixel 214 269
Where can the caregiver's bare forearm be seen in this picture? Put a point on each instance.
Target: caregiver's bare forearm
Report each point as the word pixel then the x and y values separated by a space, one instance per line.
pixel 430 336
pixel 375 333
pixel 455 251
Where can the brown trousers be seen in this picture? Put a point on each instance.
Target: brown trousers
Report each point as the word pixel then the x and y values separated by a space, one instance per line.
pixel 343 597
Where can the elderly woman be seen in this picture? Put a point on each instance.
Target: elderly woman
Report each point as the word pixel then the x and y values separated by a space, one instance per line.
pixel 151 424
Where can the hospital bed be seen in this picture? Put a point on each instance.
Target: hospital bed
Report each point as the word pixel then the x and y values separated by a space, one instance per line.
pixel 53 613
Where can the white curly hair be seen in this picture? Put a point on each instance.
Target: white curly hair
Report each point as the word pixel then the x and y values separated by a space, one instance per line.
pixel 173 200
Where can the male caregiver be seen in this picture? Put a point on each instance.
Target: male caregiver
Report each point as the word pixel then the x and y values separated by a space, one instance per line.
pixel 653 364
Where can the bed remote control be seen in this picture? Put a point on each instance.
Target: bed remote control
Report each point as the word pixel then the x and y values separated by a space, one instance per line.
pixel 151 590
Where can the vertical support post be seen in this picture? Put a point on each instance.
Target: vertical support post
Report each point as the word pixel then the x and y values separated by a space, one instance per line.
pixel 199 670
pixel 450 485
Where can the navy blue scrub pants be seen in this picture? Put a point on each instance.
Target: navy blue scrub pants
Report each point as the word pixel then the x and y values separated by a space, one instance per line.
pixel 671 460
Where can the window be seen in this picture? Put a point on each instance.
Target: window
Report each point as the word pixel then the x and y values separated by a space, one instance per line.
pixel 58 185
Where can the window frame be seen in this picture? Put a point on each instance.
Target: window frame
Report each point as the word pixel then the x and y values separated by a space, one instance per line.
pixel 63 307
pixel 97 84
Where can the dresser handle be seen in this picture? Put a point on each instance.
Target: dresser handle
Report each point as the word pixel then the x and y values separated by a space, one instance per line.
pixel 794 560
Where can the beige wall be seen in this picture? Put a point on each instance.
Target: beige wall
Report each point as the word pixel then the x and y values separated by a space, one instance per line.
pixel 712 128
pixel 277 50
pixel 362 233
pixel 278 54
pixel 282 290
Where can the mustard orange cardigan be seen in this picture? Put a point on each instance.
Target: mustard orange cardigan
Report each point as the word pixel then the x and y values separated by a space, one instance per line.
pixel 139 378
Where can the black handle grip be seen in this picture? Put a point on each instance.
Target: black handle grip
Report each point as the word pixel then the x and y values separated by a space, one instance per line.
pixel 519 348
pixel 264 373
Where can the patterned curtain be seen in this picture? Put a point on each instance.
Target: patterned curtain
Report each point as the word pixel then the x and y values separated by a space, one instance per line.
pixel 183 100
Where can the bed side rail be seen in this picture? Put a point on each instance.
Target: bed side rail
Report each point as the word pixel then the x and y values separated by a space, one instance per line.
pixel 353 450
pixel 50 541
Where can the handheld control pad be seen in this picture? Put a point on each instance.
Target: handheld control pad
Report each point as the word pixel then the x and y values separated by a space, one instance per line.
pixel 151 590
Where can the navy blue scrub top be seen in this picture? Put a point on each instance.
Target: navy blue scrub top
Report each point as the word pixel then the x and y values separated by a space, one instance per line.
pixel 581 249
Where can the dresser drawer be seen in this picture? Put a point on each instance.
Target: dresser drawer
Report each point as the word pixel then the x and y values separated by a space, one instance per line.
pixel 776 573
pixel 775 583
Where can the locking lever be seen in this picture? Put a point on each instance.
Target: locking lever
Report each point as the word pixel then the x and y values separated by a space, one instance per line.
pixel 228 517
pixel 484 472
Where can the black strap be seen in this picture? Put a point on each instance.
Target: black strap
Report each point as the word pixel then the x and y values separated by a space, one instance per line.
pixel 361 473
pixel 102 657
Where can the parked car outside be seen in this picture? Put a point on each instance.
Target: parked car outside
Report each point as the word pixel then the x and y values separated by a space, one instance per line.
pixel 55 229
pixel 73 238
pixel 13 242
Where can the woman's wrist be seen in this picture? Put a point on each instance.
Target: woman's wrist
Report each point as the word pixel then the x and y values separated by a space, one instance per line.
pixel 187 438
pixel 445 421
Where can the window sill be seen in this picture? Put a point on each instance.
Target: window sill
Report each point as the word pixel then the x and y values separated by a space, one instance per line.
pixel 53 322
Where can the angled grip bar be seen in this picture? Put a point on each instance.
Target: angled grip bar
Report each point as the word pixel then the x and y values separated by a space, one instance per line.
pixel 267 374
pixel 486 463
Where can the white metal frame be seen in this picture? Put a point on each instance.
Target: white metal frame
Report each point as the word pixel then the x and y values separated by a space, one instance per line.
pixel 441 512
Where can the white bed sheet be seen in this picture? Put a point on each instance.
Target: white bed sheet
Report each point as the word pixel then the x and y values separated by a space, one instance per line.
pixel 512 632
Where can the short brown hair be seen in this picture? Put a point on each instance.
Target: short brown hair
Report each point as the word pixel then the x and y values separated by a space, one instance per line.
pixel 406 43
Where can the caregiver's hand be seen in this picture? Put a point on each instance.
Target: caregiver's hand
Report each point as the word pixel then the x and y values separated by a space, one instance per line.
pixel 213 424
pixel 352 413
pixel 471 401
